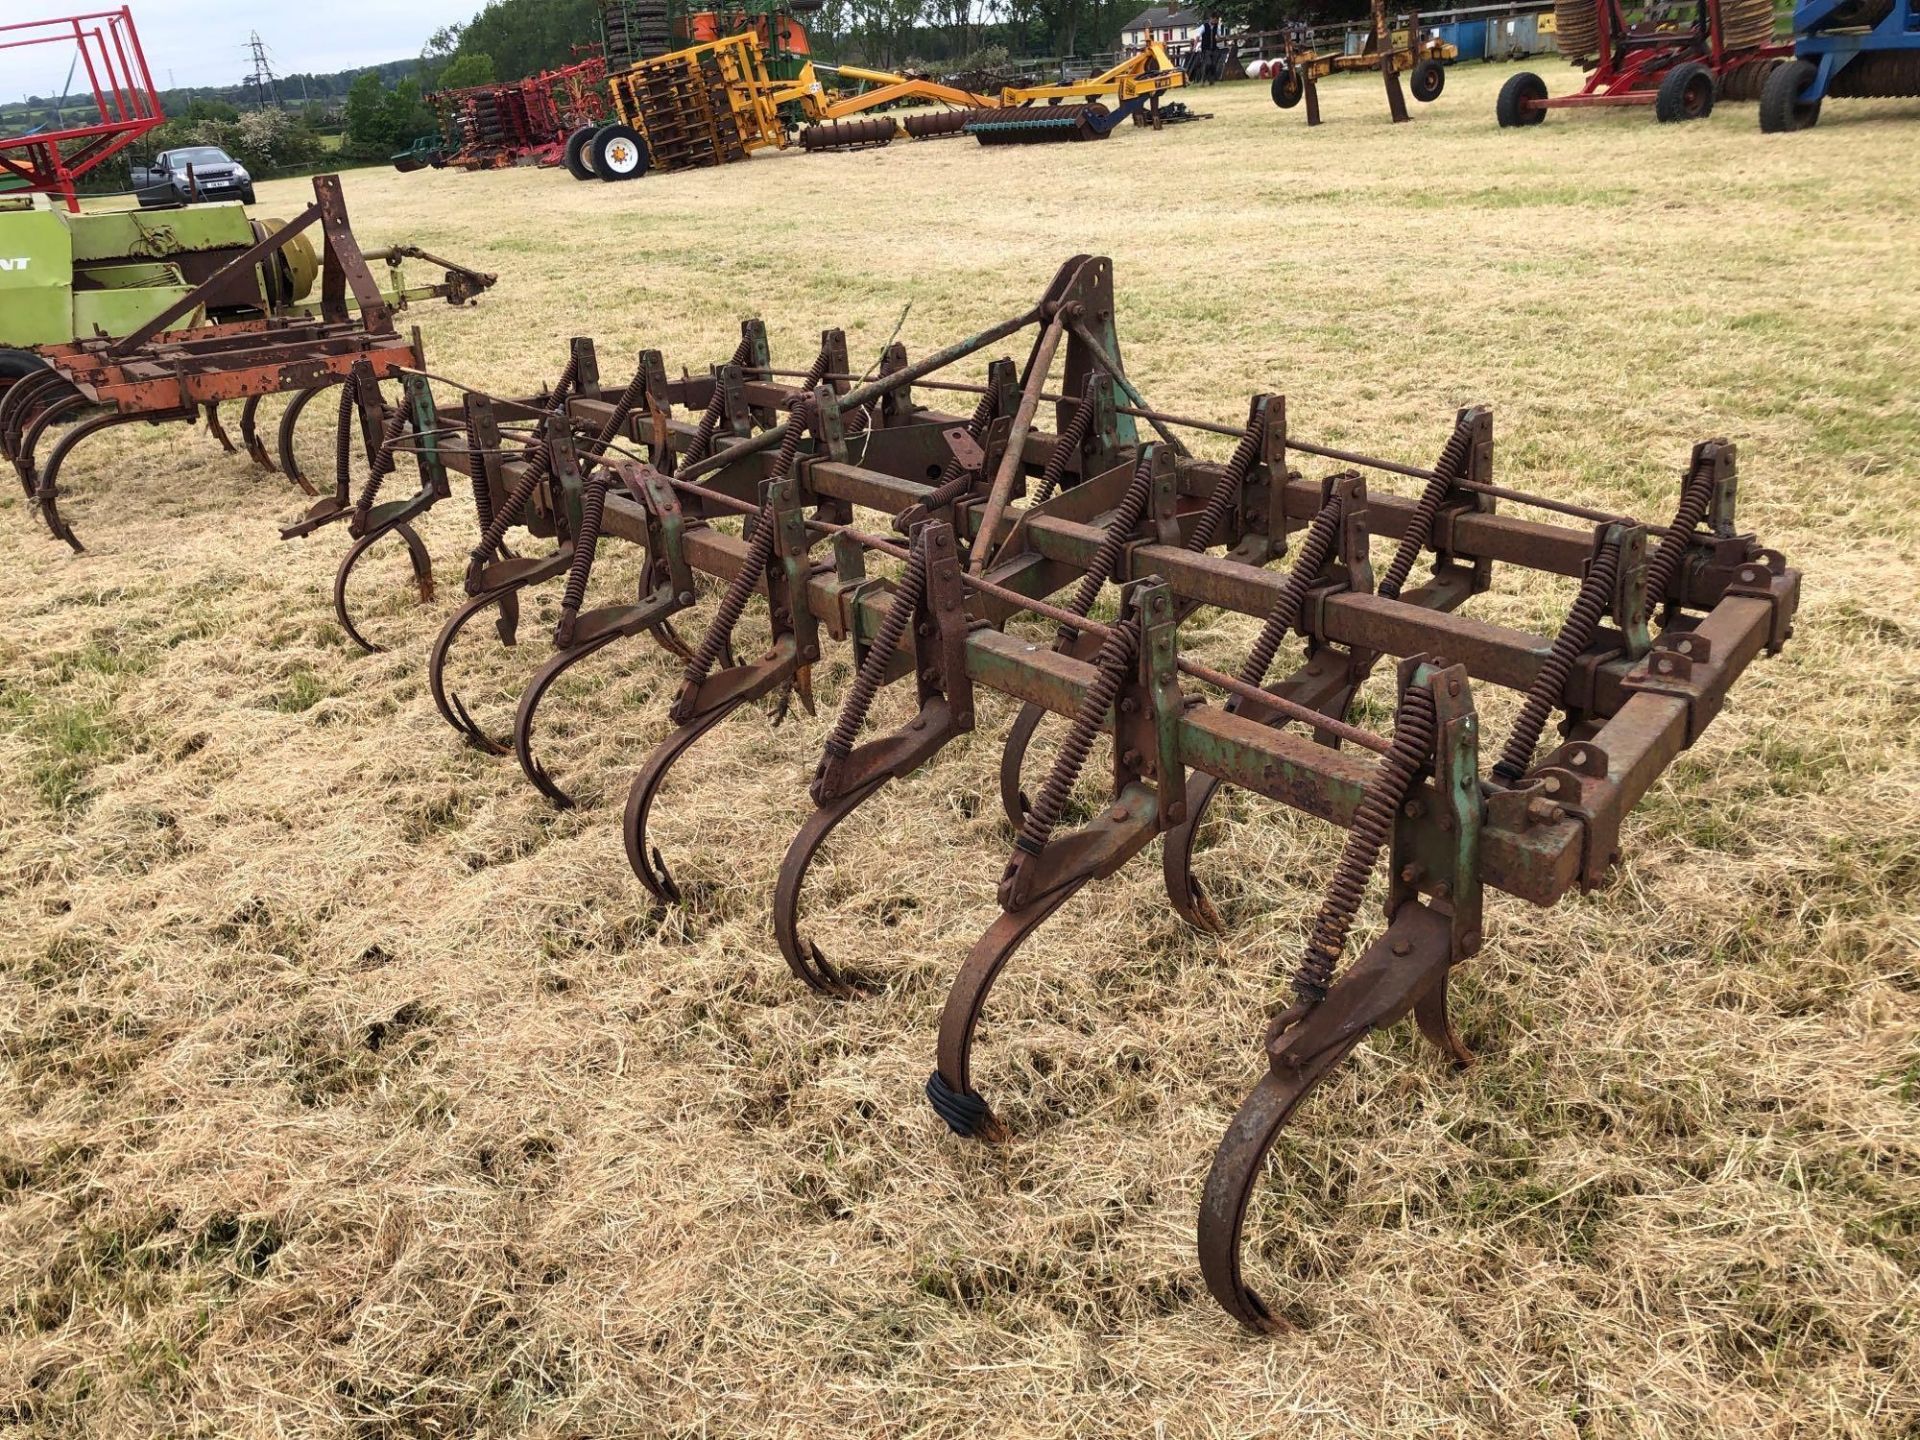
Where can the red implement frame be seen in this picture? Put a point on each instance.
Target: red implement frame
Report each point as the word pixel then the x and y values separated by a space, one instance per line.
pixel 1634 59
pixel 123 97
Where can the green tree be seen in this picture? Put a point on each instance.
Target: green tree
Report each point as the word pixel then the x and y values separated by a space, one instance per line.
pixel 367 132
pixel 404 116
pixel 471 68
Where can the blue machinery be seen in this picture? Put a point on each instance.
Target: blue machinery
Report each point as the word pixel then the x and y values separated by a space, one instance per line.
pixel 1866 49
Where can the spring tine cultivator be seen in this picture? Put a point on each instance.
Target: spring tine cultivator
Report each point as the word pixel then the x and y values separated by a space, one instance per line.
pixel 985 514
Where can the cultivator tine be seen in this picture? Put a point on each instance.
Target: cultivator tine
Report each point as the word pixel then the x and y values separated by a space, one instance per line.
pixel 449 704
pixel 422 574
pixel 54 411
pixel 250 434
pixel 218 430
pixel 285 437
pixel 752 681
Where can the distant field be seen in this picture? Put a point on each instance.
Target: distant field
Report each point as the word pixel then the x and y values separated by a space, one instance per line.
pixel 350 1090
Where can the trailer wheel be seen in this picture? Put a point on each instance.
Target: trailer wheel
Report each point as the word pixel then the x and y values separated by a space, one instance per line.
pixel 1685 94
pixel 1287 88
pixel 1429 79
pixel 618 153
pixel 1511 108
pixel 575 154
pixel 18 364
pixel 1781 108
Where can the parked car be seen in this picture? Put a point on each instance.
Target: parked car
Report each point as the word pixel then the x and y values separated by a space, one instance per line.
pixel 194 172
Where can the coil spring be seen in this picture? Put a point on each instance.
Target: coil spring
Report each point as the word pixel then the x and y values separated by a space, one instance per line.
pixel 482 495
pixel 593 504
pixel 1126 519
pixel 343 440
pixel 1446 474
pixel 817 371
pixel 1695 496
pixel 380 468
pixel 1413 733
pixel 1596 592
pixel 954 481
pixel 539 463
pixel 873 669
pixel 1232 480
pixel 710 417
pixel 1314 552
pixel 759 551
pixel 1072 436
pixel 1110 666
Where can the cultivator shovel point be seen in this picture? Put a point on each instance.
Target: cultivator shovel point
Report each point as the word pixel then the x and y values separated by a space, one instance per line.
pixel 982 515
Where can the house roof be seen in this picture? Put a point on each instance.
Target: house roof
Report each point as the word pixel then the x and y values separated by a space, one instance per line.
pixel 1159 17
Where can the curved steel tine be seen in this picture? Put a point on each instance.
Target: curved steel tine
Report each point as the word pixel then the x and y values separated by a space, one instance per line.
pixel 55 409
pixel 1013 760
pixel 1431 1015
pixel 46 493
pixel 17 413
pixel 530 698
pixel 447 703
pixel 804 958
pixel 668 639
pixel 1236 1171
pixel 217 429
pixel 1189 899
pixel 250 435
pixel 284 437
pixel 953 1074
pixel 647 862
pixel 422 574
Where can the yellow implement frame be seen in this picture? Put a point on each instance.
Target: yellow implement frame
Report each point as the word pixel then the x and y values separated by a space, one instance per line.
pixel 714 102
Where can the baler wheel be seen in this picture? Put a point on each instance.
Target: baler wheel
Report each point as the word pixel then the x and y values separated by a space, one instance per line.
pixel 618 153
pixel 1781 108
pixel 1510 109
pixel 1429 79
pixel 1685 94
pixel 1288 88
pixel 578 163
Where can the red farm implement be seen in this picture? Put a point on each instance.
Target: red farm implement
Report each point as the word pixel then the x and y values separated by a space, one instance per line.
pixel 1680 67
pixel 525 122
pixel 53 156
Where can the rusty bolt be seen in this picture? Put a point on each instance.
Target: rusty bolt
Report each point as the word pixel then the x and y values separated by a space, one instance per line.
pixel 1128 705
pixel 1409 874
pixel 1401 947
pixel 686 597
pixel 1413 810
pixel 1544 812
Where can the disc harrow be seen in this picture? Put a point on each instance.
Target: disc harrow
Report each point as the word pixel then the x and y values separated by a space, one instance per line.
pixel 984 518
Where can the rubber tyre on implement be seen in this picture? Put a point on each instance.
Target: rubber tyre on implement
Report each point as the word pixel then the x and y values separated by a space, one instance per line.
pixel 1428 80
pixel 1781 109
pixel 1685 94
pixel 18 364
pixel 1510 109
pixel 575 157
pixel 1288 88
pixel 618 153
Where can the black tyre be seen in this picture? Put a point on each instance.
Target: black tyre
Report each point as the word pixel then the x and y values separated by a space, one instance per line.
pixel 18 364
pixel 1428 80
pixel 575 155
pixel 1288 88
pixel 246 196
pixel 1516 96
pixel 1781 108
pixel 1685 94
pixel 617 153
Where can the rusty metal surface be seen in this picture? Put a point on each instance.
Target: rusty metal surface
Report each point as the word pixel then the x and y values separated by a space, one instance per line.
pixel 990 517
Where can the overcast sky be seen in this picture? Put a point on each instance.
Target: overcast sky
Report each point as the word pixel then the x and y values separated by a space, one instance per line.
pixel 204 42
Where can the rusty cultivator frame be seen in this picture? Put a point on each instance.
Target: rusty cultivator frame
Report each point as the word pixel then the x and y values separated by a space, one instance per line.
pixel 984 515
pixel 158 374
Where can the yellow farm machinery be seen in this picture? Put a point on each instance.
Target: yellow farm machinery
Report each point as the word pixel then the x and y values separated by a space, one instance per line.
pixel 1389 50
pixel 715 102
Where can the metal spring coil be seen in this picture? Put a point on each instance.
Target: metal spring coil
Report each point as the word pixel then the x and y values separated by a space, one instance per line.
pixel 710 417
pixel 1110 667
pixel 1446 473
pixel 1072 436
pixel 873 669
pixel 740 589
pixel 1232 479
pixel 1126 519
pixel 954 482
pixel 1695 496
pixel 1596 592
pixel 593 504
pixel 1413 733
pixel 343 439
pixel 482 495
pixel 540 462
pixel 1314 550
pixel 377 472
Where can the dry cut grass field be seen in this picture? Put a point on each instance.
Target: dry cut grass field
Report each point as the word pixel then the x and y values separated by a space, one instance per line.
pixel 351 1090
